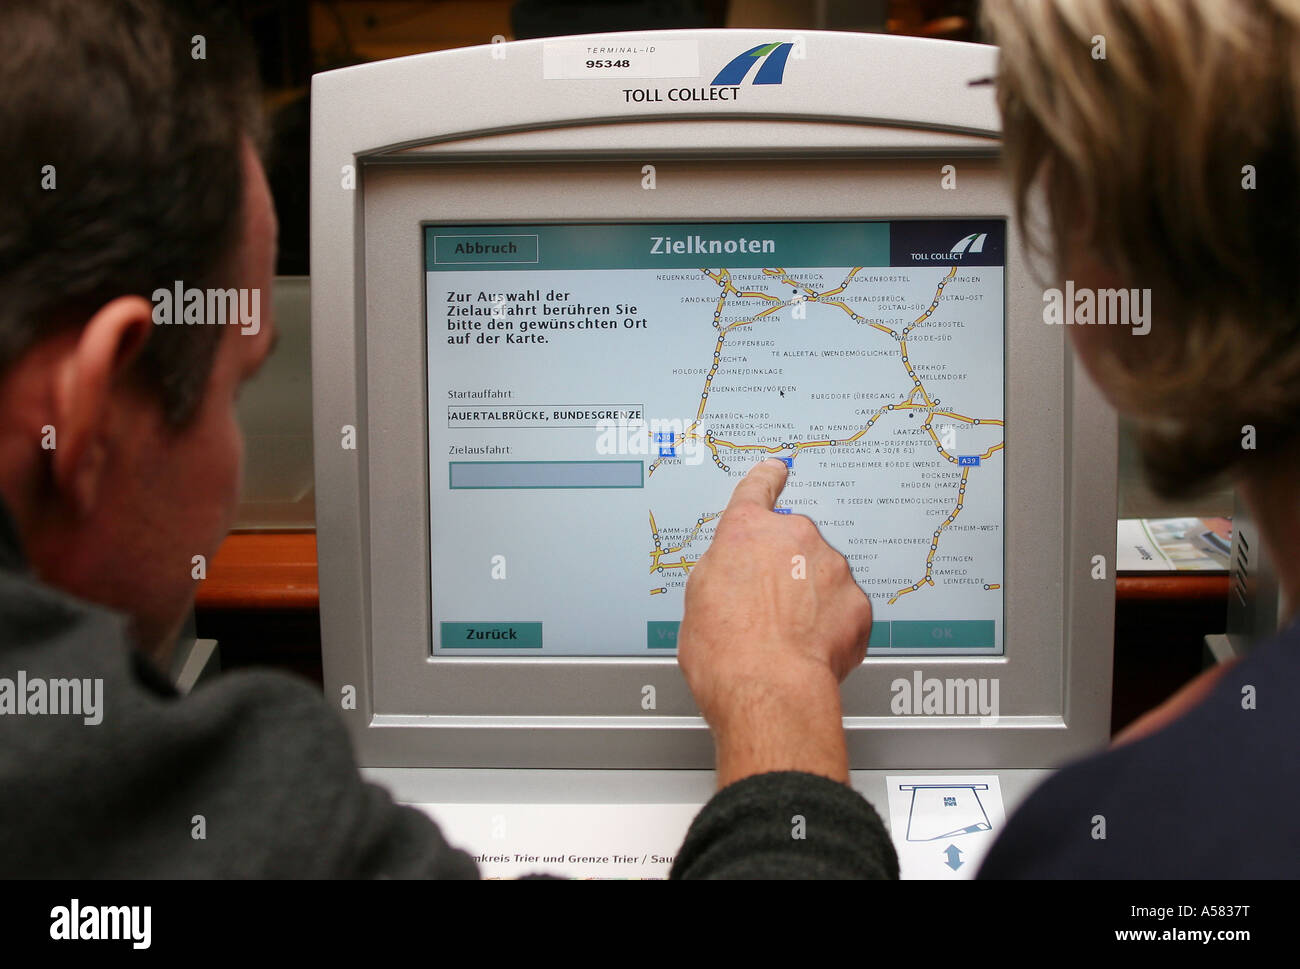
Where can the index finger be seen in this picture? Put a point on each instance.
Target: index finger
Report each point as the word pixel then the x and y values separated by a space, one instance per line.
pixel 762 486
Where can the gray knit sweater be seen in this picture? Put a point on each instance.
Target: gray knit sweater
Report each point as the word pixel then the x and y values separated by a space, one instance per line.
pixel 252 776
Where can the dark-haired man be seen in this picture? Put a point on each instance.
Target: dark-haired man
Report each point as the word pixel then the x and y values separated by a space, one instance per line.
pixel 128 171
pixel 129 168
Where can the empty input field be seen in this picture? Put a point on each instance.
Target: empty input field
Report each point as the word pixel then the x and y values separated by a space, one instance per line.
pixel 545 474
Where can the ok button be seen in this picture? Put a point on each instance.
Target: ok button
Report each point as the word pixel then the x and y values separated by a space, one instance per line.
pixel 954 633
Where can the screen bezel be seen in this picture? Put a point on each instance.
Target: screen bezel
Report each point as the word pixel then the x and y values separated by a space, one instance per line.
pixel 410 687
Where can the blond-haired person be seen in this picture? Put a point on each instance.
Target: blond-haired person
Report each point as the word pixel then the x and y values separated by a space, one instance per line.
pixel 1151 144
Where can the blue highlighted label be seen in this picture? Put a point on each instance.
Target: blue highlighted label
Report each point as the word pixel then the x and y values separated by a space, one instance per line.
pixel 668 452
pixel 784 511
pixel 968 460
pixel 789 462
pixel 663 437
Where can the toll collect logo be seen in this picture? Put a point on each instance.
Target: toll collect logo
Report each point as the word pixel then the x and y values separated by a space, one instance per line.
pixel 726 85
pixel 772 71
pixel 972 243
pixel 965 242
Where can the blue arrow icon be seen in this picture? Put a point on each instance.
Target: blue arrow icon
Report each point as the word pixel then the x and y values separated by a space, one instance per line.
pixel 954 857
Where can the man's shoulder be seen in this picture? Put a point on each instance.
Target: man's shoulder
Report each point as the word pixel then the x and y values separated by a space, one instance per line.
pixel 50 637
pixel 1210 795
pixel 251 775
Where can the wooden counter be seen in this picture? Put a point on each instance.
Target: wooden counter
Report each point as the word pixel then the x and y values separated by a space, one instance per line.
pixel 277 570
pixel 260 601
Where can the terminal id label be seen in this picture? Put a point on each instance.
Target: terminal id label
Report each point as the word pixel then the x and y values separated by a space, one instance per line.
pixel 569 60
pixel 570 840
pixel 942 826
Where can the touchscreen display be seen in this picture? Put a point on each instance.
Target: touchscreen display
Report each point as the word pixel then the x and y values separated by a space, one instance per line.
pixel 596 391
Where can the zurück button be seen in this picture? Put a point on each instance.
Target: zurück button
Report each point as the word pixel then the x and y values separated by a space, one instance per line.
pixel 491 635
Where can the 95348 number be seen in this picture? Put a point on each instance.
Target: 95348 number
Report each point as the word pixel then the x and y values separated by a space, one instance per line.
pixel 595 64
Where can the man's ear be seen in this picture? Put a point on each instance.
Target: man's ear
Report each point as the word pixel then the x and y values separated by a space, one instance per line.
pixel 85 381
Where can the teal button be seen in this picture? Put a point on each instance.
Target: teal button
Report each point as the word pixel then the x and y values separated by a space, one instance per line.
pixel 491 635
pixel 479 249
pixel 661 635
pixel 943 634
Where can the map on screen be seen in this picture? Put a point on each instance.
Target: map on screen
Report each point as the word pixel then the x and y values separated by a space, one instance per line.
pixel 596 391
